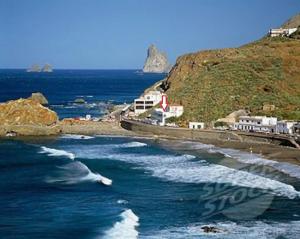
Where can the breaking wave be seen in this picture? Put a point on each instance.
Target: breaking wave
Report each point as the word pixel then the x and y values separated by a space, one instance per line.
pixel 187 169
pixel 77 172
pixel 57 153
pixel 126 228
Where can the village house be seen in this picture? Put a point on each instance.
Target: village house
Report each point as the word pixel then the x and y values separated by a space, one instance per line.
pixel 196 125
pixel 282 32
pixel 256 124
pixel 285 127
pixel 159 116
pixel 146 102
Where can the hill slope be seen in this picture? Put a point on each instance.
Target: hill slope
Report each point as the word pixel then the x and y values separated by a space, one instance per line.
pixel 211 84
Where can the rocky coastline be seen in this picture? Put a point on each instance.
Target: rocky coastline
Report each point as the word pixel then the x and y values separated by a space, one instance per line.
pixel 28 117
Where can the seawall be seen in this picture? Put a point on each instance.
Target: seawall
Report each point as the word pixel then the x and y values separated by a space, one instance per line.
pixel 207 135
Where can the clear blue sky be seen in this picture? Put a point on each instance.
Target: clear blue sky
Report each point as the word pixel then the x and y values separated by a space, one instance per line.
pixel 114 34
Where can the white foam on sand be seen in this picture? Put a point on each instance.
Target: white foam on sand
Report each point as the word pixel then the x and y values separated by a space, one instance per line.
pixel 126 228
pixel 249 158
pixel 76 136
pixel 231 230
pixel 77 172
pixel 57 152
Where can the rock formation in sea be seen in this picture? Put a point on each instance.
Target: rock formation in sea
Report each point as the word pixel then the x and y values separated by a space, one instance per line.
pixel 39 97
pixel 47 68
pixel 156 62
pixel 34 68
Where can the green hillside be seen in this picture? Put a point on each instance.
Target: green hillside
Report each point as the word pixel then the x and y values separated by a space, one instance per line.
pixel 211 84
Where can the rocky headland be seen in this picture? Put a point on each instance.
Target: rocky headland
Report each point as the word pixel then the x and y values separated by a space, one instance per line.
pixel 27 117
pixel 156 61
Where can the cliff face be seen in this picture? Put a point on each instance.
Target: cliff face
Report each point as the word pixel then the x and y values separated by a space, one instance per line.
pixel 212 84
pixel 26 112
pixel 156 61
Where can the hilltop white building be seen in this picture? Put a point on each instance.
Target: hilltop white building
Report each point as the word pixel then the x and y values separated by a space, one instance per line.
pixel 146 102
pixel 256 124
pixel 281 32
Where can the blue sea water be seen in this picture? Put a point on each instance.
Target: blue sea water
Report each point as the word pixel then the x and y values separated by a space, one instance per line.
pixel 55 187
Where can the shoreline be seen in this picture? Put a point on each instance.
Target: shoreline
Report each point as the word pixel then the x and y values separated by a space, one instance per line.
pixel 267 150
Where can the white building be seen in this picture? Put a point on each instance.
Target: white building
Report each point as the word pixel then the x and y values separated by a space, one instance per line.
pixel 280 32
pixel 196 125
pixel 285 127
pixel 146 102
pixel 256 124
pixel 159 116
pixel 175 110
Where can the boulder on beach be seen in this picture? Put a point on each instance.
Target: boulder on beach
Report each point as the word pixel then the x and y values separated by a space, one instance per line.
pixel 39 97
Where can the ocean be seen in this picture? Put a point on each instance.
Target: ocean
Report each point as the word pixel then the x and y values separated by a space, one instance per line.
pixel 133 187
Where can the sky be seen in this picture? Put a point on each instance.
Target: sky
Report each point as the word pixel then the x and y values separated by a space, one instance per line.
pixel 115 34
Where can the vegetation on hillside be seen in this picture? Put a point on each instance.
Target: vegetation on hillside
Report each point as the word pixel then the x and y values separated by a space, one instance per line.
pixel 211 84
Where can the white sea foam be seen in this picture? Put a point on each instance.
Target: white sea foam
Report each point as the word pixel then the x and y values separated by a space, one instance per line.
pixel 126 228
pixel 121 201
pixel 187 169
pixel 132 145
pixel 77 172
pixel 231 230
pixel 56 152
pixel 184 169
pixel 76 136
pixel 248 158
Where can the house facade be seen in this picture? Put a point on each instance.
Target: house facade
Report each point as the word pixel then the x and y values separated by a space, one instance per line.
pixel 256 124
pixel 285 127
pixel 196 125
pixel 159 116
pixel 146 102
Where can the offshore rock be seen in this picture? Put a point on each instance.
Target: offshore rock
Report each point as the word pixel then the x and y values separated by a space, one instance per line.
pixel 34 68
pixel 156 62
pixel 47 68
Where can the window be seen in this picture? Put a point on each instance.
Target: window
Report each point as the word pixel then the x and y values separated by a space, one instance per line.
pixel 139 102
pixel 258 122
pixel 148 106
pixel 138 107
pixel 149 102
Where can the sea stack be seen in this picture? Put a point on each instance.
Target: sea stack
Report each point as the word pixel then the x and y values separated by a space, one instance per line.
pixel 34 68
pixel 47 68
pixel 156 62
